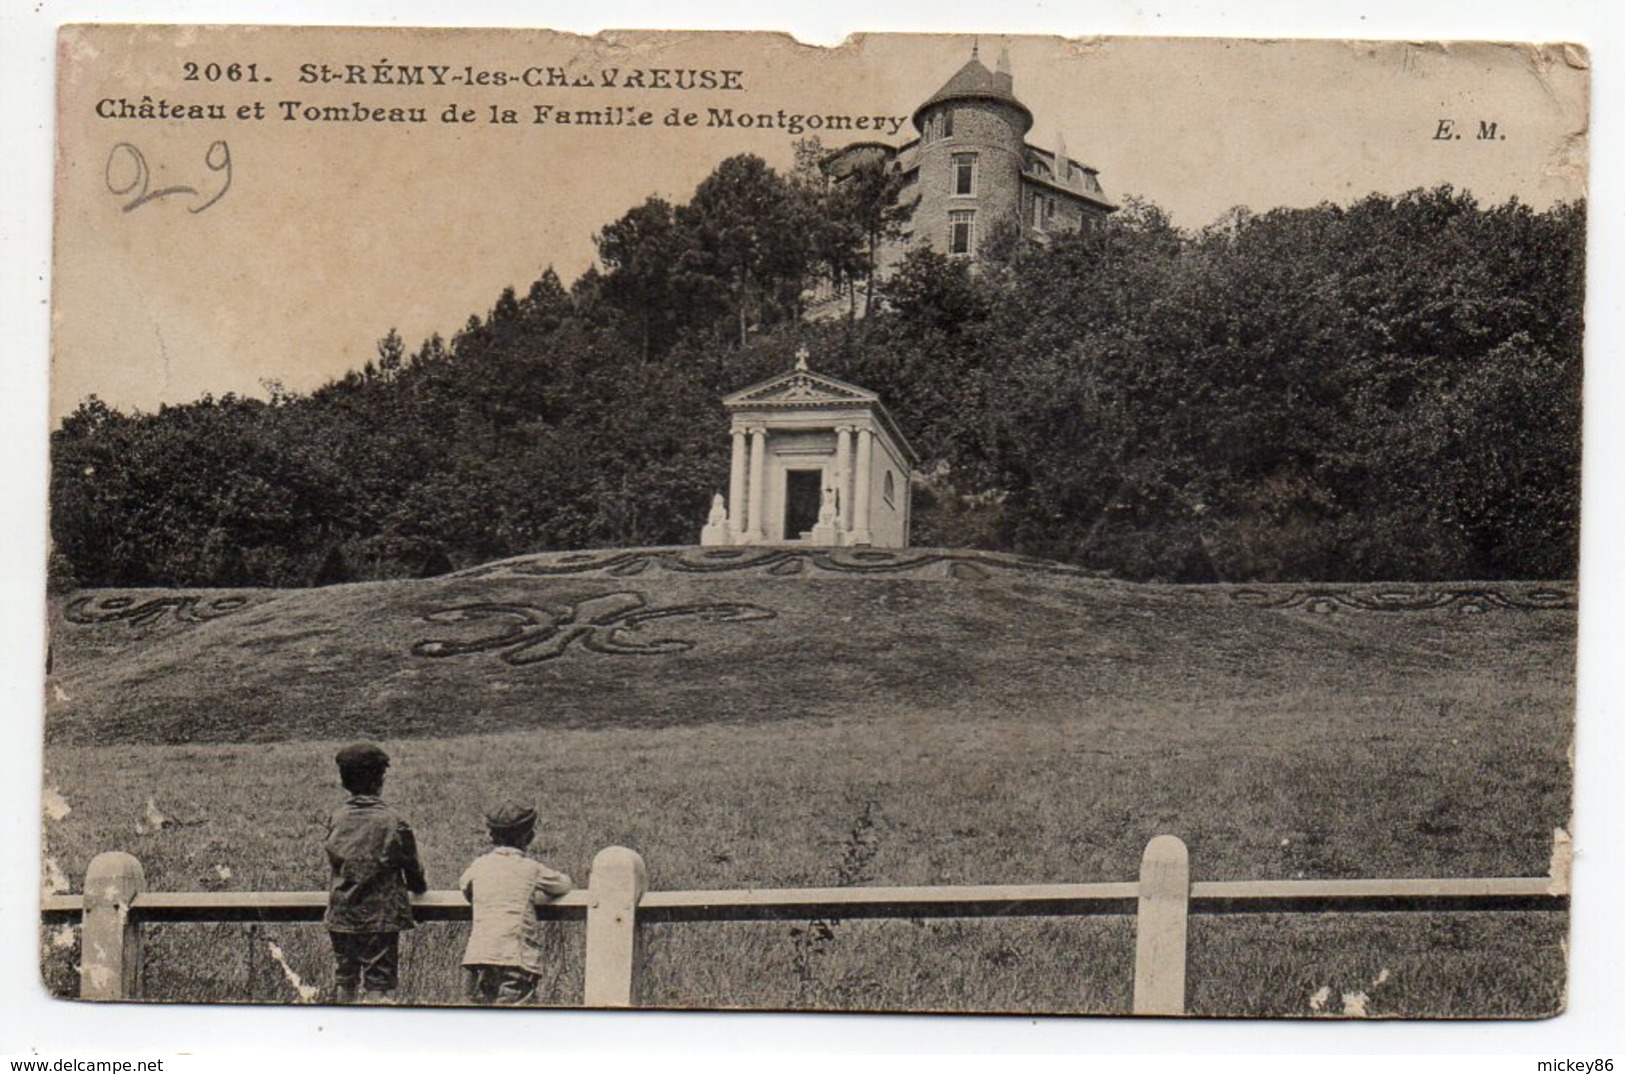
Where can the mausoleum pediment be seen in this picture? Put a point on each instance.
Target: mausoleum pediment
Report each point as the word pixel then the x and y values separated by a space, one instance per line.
pixel 800 388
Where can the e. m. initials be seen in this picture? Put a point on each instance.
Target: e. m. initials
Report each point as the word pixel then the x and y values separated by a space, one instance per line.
pixel 1488 131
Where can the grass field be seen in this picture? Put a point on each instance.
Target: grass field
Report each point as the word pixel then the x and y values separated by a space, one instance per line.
pixel 1006 725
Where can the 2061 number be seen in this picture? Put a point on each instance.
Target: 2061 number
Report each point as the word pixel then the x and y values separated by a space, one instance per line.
pixel 222 72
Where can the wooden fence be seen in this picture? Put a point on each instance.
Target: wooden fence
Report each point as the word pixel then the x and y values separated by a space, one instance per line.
pixel 116 903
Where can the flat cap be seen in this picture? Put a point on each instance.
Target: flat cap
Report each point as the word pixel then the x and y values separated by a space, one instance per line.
pixel 362 755
pixel 509 815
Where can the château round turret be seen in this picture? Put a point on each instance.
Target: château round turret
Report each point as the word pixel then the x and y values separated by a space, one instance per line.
pixel 970 158
pixel 971 171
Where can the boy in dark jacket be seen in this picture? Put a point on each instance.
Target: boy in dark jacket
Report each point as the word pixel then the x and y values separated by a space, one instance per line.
pixel 374 861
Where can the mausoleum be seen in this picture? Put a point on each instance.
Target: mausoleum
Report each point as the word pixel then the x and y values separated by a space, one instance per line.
pixel 816 461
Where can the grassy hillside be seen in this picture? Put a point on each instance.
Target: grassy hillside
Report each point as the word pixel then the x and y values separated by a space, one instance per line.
pixel 769 718
pixel 1006 637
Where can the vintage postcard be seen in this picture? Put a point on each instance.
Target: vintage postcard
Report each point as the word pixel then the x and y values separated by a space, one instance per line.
pixel 943 523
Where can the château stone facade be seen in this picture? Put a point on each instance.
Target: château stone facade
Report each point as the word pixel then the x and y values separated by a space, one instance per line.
pixel 972 171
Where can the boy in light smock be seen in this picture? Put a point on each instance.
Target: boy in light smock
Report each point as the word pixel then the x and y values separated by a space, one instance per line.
pixel 503 961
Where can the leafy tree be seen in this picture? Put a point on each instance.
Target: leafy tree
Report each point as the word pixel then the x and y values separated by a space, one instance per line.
pixel 391 355
pixel 642 252
pixel 867 198
pixel 747 242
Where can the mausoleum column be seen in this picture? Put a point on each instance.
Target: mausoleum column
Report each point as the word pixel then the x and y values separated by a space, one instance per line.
pixel 843 477
pixel 758 462
pixel 736 485
pixel 861 488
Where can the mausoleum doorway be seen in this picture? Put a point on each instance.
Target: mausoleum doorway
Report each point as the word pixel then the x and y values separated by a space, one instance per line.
pixel 803 492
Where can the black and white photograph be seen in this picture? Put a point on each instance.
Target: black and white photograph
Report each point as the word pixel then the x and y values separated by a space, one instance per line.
pixel 948 523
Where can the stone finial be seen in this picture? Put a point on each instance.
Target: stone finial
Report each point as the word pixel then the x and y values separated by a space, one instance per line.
pixel 1004 60
pixel 826 509
pixel 802 355
pixel 827 531
pixel 715 531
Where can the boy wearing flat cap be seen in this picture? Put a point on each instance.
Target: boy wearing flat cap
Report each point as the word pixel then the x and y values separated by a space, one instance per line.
pixel 503 961
pixel 375 871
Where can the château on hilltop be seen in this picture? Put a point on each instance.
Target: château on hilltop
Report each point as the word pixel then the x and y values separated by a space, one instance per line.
pixel 971 170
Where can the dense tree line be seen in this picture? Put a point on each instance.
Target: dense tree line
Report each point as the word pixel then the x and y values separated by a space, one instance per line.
pixel 1387 390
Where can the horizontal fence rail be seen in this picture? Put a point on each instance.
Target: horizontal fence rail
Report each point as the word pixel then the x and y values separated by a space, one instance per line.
pixel 616 902
pixel 781 904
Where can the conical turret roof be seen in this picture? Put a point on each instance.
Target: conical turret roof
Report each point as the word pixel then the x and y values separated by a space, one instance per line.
pixel 975 82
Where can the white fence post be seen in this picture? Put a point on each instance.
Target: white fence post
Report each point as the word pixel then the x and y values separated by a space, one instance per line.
pixel 110 942
pixel 617 881
pixel 1160 928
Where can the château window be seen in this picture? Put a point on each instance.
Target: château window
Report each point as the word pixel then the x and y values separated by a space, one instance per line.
pixel 888 489
pixel 1043 207
pixel 961 233
pixel 948 123
pixel 964 173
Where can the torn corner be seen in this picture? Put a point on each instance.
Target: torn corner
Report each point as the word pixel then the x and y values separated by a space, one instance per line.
pixel 1562 862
